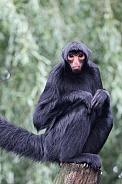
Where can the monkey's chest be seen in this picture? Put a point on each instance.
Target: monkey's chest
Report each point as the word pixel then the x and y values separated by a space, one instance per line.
pixel 79 84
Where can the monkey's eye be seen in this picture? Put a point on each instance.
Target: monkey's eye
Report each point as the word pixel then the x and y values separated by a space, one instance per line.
pixel 70 55
pixel 81 56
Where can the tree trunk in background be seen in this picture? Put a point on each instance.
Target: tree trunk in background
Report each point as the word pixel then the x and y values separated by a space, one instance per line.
pixel 77 174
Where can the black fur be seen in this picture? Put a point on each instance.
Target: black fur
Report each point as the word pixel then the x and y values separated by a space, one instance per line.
pixel 75 110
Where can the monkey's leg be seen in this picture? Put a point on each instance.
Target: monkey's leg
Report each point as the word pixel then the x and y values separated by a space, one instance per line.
pixel 20 141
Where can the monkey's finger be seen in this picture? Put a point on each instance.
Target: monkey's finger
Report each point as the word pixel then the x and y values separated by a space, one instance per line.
pixel 99 103
pixel 96 97
pixel 93 102
pixel 98 94
pixel 96 106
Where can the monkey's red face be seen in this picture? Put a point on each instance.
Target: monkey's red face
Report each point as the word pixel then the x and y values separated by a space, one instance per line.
pixel 76 60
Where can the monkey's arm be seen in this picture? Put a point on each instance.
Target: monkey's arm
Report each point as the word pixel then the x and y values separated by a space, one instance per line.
pixel 48 109
pixel 44 112
pixel 100 130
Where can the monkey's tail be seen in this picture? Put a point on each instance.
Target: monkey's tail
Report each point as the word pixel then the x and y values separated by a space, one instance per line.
pixel 20 141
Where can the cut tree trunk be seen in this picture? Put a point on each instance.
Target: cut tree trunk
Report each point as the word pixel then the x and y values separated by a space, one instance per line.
pixel 77 174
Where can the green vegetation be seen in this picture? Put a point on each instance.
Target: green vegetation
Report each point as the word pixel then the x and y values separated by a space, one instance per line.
pixel 32 36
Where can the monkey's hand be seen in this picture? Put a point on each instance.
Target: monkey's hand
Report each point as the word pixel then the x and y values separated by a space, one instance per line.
pixel 99 98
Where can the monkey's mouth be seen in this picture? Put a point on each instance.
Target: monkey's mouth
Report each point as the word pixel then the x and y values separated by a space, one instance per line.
pixel 76 68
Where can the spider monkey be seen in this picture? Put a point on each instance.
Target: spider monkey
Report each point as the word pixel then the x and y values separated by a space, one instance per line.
pixel 75 110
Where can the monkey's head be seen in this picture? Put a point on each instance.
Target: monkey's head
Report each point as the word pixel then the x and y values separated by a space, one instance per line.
pixel 76 55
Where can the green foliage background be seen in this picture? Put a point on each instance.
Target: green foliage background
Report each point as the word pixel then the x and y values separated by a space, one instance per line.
pixel 32 36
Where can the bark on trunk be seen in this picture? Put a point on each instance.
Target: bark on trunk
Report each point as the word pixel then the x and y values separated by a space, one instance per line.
pixel 77 174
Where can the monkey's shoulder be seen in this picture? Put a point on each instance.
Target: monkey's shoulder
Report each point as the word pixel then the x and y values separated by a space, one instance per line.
pixel 56 71
pixel 93 69
pixel 57 68
pixel 92 65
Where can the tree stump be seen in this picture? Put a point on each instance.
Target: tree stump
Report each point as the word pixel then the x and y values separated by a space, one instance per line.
pixel 77 174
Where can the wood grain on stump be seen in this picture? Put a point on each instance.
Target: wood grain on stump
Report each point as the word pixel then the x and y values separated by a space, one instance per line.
pixel 77 174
